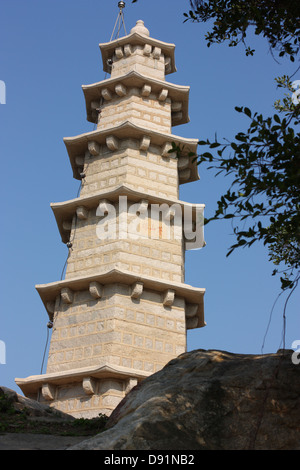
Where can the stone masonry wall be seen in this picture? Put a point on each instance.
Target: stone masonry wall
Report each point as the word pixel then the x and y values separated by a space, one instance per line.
pixel 144 111
pixel 75 400
pixel 146 171
pixel 156 257
pixel 147 60
pixel 141 334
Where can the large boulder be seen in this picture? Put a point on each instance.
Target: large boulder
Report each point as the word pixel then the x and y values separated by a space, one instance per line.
pixel 209 400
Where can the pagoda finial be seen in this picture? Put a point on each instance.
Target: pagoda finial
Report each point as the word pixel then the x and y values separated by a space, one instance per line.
pixel 140 28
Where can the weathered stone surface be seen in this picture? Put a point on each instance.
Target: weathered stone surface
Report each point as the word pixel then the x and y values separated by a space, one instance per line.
pixel 210 400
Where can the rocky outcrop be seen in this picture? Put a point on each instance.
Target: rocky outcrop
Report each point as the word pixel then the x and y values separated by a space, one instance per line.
pixel 210 400
pixel 26 424
pixel 33 408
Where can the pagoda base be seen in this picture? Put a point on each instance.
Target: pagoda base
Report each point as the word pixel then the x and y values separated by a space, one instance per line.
pixel 82 393
pixel 110 331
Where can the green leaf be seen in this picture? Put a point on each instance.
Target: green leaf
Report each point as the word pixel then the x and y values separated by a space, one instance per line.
pixel 241 137
pixel 286 283
pixel 207 155
pixel 276 118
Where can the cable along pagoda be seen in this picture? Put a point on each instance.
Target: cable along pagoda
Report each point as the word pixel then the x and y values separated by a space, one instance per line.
pixel 123 309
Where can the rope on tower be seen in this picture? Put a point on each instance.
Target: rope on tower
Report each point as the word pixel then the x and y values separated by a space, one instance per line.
pixel 118 24
pixel 49 326
pixel 120 21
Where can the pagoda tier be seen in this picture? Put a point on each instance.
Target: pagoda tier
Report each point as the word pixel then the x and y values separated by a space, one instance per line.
pixel 135 84
pixel 66 211
pixel 95 285
pixel 123 309
pixel 140 52
pixel 133 140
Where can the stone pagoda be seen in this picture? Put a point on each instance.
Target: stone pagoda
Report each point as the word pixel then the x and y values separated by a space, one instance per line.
pixel 123 309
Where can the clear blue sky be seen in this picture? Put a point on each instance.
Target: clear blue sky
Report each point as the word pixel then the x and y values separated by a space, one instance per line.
pixel 48 50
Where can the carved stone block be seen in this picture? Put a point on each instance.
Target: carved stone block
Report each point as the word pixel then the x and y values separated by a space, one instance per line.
pixel 185 174
pixel 112 143
pixel 67 295
pixel 48 392
pixel 147 49
pixel 177 116
pixel 127 50
pixel 82 213
pixel 96 290
pixel 94 148
pixel 192 323
pixel 169 297
pixel 89 385
pixel 67 225
pixel 50 307
pixel 156 52
pixel 106 94
pixel 79 161
pixel 137 290
pixel 120 90
pixel 146 90
pixel 163 95
pixel 145 142
pixel 183 162
pixel 95 105
pixel 130 383
pixel 191 310
pixel 119 52
pixel 165 149
pixel 176 106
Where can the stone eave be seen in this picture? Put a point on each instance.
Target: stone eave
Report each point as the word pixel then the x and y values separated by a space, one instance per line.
pixel 30 385
pixel 64 211
pixel 192 295
pixel 77 146
pixel 177 93
pixel 135 39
